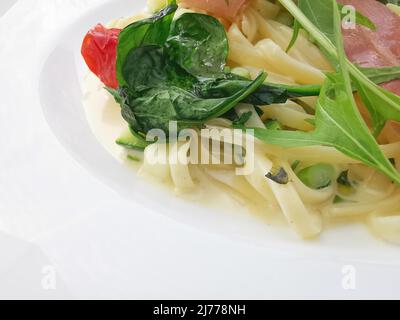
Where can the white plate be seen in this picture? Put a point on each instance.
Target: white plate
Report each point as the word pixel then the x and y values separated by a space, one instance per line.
pixel 128 246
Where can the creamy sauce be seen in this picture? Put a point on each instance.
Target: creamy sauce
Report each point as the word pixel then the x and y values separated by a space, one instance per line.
pixel 104 116
pixel 105 120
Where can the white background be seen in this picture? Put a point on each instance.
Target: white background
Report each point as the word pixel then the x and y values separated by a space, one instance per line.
pixel 5 5
pixel 57 241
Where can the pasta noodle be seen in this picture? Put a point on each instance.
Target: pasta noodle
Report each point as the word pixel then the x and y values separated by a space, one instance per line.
pixel 301 72
pixel 386 226
pixel 288 116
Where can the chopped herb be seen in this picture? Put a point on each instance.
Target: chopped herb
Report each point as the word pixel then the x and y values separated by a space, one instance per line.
pixel 278 175
pixel 345 186
pixel 339 199
pixel 343 179
pixel 259 111
pixel 242 120
pixel 296 164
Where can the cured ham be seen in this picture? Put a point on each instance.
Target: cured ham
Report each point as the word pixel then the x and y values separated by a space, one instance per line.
pixel 378 48
pixel 226 9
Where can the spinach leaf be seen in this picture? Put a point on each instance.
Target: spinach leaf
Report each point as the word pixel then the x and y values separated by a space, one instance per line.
pixel 154 30
pixel 171 78
pixel 160 91
pixel 198 44
pixel 266 94
pixel 149 66
pixel 241 121
pixel 338 121
pixel 158 106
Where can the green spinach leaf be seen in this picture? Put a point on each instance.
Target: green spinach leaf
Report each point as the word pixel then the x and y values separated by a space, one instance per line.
pixel 154 30
pixel 266 94
pixel 182 77
pixel 198 44
pixel 160 91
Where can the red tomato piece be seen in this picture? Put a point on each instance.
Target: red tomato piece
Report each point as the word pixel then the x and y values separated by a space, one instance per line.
pixel 99 49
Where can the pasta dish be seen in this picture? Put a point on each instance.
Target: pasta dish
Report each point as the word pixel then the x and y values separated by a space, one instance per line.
pixel 290 106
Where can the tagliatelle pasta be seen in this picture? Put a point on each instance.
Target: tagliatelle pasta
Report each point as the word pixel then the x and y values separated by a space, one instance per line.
pixel 283 180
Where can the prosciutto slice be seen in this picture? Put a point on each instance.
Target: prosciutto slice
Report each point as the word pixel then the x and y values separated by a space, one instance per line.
pixel 378 48
pixel 226 9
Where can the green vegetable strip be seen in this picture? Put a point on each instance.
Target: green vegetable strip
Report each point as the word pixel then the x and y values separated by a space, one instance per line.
pixel 318 176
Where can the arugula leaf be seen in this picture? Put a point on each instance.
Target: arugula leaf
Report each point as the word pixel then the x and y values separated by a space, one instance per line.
pixel 198 44
pixel 338 121
pixel 360 19
pixel 295 35
pixel 382 104
pixel 324 19
pixel 154 30
pixel 397 2
pixel 381 74
pixel 378 76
